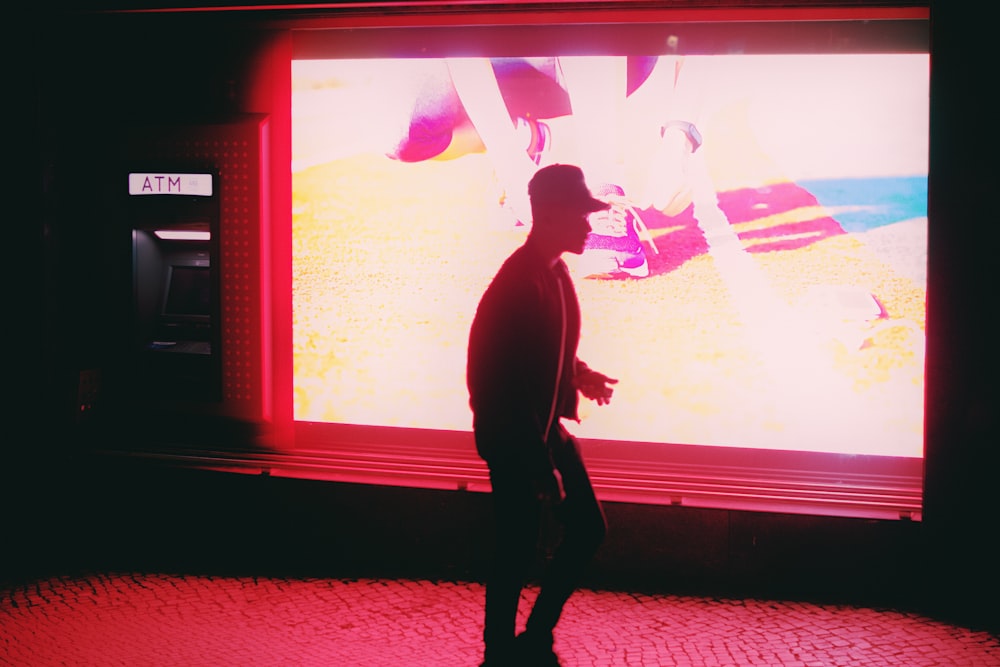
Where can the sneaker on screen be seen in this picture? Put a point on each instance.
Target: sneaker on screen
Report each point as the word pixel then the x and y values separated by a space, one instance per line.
pixel 613 247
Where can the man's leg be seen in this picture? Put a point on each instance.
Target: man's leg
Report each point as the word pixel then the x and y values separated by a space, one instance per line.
pixel 584 528
pixel 516 516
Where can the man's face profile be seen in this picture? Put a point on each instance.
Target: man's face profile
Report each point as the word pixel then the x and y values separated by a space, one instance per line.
pixel 567 226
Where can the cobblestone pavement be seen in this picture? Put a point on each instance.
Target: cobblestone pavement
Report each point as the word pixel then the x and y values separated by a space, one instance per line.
pixel 161 620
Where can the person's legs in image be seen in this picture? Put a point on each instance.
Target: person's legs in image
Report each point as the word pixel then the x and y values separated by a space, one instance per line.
pixel 635 128
pixel 598 87
pixel 505 100
pixel 669 109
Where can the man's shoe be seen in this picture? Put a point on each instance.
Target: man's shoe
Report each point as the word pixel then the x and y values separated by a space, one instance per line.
pixel 535 650
pixel 499 654
pixel 613 248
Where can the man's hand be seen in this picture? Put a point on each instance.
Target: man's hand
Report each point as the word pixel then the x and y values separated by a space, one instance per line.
pixel 595 386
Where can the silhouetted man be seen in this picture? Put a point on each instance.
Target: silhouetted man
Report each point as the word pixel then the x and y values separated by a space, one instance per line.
pixel 523 377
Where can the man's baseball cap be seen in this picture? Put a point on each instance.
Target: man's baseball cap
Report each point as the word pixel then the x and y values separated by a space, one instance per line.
pixel 563 186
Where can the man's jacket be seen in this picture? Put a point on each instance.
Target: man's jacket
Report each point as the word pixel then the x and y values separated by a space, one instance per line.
pixel 520 326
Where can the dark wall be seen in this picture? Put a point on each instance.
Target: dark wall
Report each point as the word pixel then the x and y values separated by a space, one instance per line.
pixel 88 75
pixel 963 404
pixel 132 515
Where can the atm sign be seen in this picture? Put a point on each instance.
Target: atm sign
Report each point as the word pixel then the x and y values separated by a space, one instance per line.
pixel 198 185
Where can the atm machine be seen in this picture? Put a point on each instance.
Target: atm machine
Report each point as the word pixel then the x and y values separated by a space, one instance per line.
pixel 198 363
pixel 175 284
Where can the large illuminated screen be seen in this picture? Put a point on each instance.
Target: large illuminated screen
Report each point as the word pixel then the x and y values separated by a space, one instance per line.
pixel 759 283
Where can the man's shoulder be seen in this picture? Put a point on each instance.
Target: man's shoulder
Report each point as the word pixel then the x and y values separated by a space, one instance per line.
pixel 522 264
pixel 514 282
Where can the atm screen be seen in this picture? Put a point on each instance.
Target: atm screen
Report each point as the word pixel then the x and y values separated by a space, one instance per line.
pixel 188 293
